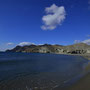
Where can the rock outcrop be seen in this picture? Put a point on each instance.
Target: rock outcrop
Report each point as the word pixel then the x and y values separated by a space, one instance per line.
pixel 80 48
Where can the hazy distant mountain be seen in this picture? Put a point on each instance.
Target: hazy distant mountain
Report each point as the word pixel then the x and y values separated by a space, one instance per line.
pixel 80 48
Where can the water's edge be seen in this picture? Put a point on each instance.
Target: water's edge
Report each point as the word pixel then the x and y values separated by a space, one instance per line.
pixel 66 83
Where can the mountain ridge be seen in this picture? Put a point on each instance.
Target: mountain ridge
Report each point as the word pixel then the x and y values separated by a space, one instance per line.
pixel 79 48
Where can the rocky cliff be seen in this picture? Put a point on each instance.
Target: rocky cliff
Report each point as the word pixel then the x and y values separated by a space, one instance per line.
pixel 79 48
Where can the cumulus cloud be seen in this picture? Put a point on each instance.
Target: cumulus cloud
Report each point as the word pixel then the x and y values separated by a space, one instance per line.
pixel 87 41
pixel 55 15
pixel 9 43
pixel 25 43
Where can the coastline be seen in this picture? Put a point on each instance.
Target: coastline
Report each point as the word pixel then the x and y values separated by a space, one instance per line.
pixel 84 82
pixel 86 56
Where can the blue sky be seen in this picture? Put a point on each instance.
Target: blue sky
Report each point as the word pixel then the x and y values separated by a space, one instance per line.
pixel 21 21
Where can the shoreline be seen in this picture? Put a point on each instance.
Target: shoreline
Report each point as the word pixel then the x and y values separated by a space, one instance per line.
pixel 82 84
pixel 86 56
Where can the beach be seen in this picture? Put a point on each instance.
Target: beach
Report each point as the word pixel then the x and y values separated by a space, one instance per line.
pixel 82 84
pixel 39 71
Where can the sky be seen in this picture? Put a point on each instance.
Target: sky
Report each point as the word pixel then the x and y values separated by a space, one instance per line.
pixel 25 22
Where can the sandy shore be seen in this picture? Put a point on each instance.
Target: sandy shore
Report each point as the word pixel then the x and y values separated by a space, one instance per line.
pixel 86 56
pixel 82 84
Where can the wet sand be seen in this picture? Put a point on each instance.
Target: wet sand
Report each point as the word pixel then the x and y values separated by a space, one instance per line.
pixel 82 84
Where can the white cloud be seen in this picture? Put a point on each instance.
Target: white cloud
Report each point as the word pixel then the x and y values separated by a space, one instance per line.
pixel 55 15
pixel 40 44
pixel 9 43
pixel 77 41
pixel 25 43
pixel 87 41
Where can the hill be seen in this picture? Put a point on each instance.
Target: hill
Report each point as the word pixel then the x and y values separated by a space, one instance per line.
pixel 80 48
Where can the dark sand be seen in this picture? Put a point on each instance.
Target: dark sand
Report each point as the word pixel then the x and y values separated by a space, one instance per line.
pixel 82 84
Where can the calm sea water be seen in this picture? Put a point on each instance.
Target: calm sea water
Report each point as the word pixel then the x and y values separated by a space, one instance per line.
pixel 34 71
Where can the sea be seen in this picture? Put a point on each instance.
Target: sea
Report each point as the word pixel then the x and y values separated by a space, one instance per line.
pixel 35 71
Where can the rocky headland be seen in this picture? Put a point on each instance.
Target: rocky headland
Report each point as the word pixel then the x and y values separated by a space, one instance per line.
pixel 75 49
